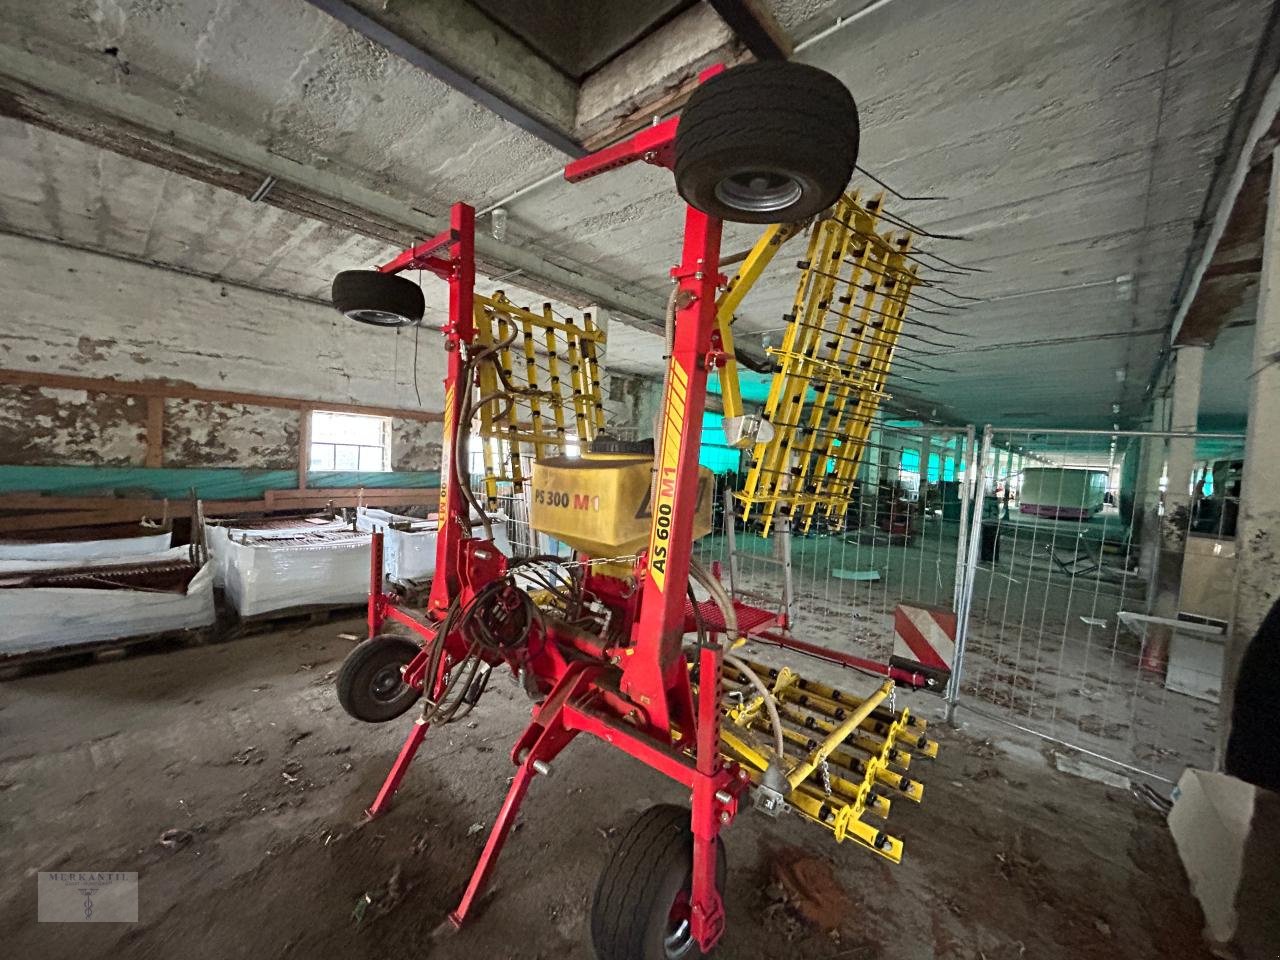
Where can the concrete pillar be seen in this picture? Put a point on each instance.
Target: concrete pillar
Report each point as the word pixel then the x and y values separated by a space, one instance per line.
pixel 1174 524
pixel 1188 373
pixel 926 445
pixel 1004 466
pixel 1146 504
pixel 1258 528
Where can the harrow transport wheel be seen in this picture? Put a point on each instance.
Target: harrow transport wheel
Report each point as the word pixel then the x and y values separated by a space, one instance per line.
pixel 641 907
pixel 771 142
pixel 370 685
pixel 382 299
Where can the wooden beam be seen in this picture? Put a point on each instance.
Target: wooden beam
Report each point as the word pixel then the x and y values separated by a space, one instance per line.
pixel 181 391
pixel 304 446
pixel 155 432
pixel 323 494
pixel 56 513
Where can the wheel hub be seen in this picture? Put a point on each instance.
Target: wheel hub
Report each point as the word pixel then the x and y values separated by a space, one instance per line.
pixel 386 683
pixel 679 936
pixel 379 318
pixel 758 191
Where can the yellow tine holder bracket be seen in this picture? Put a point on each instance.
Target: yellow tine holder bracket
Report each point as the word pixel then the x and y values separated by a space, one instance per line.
pixel 557 387
pixel 577 385
pixel 592 376
pixel 837 736
pixel 538 436
pixel 488 386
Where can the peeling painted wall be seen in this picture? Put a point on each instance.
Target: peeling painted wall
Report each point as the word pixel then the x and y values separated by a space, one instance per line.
pixel 202 434
pixel 415 445
pixel 77 313
pixel 43 426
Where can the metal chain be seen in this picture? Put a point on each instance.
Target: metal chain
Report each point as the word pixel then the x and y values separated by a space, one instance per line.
pixel 594 561
pixel 826 777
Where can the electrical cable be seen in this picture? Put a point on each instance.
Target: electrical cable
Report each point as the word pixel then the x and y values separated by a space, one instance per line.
pixel 725 603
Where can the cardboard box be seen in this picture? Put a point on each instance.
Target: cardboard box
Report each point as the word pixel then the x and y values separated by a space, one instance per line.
pixel 1228 836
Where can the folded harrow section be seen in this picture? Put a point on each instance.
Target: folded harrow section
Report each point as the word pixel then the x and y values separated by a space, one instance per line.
pixel 847 757
pixel 538 379
pixel 832 366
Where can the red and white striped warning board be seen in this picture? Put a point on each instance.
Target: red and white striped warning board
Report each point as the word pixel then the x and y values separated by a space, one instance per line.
pixel 926 635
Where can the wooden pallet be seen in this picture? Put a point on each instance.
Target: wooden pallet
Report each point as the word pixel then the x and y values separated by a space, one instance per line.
pixel 302 616
pixel 83 654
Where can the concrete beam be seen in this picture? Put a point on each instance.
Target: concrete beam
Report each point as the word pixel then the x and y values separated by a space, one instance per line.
pixel 54 96
pixel 654 77
pixel 456 43
pixel 756 27
pixel 1247 145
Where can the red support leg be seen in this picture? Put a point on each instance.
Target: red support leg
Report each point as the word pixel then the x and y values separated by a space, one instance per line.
pixel 410 748
pixel 493 846
pixel 706 907
pixel 552 738
pixel 411 745
pixel 375 584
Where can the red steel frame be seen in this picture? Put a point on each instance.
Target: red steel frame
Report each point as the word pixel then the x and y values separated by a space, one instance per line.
pixel 647 708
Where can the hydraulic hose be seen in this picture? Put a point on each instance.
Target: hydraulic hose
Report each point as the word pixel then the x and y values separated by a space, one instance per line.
pixel 725 603
pixel 769 704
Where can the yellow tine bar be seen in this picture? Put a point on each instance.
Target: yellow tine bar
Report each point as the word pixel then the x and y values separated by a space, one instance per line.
pixel 745 751
pixel 826 691
pixel 553 370
pixel 764 453
pixel 596 419
pixel 844 757
pixel 841 821
pixel 903 728
pixel 830 711
pixel 839 735
pixel 862 740
pixel 546 320
pixel 577 383
pixel 531 374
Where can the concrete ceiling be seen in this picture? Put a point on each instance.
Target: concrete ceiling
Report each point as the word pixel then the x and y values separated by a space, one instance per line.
pixel 1074 141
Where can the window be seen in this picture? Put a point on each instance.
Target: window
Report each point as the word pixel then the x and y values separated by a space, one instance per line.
pixel 350 441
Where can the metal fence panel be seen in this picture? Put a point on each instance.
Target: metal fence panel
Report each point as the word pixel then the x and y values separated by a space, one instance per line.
pixel 900 541
pixel 1075 625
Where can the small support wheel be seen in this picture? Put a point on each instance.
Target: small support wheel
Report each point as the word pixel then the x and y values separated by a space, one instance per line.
pixel 370 684
pixel 382 299
pixel 769 142
pixel 641 906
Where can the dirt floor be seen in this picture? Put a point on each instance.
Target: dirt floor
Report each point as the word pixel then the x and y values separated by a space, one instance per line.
pixel 243 749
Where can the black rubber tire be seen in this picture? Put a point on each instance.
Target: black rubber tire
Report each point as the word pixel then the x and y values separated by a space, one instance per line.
pixel 651 867
pixel 381 299
pixel 787 121
pixel 365 687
